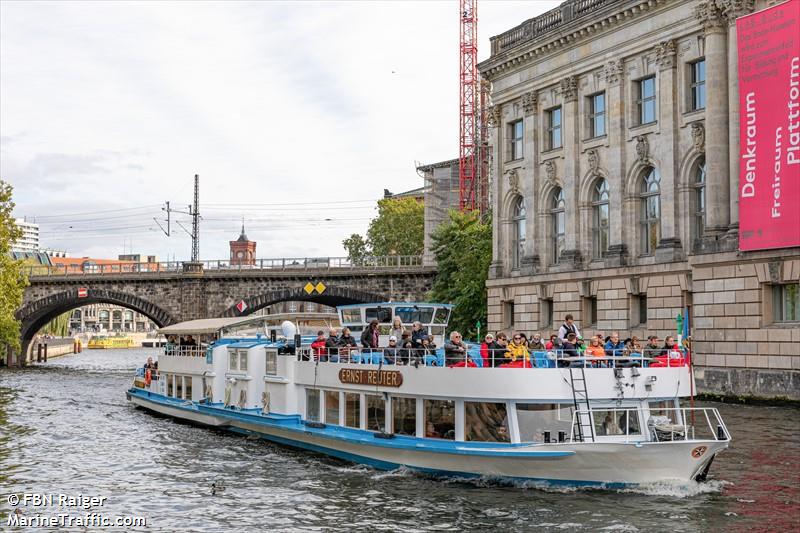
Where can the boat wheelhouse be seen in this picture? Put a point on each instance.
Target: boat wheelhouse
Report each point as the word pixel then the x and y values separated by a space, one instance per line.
pixel 609 421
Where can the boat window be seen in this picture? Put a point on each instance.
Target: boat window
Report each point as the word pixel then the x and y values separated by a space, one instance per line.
pixel 272 362
pixel 487 422
pixel 352 409
pixel 312 405
pixel 381 314
pixel 663 409
pixel 243 360
pixel 616 422
pixel 331 407
pixel 376 413
pixel 436 330
pixel 409 315
pixel 534 419
pixel 404 415
pixel 441 315
pixel 351 316
pixel 233 360
pixel 188 387
pixel 170 388
pixel 440 419
pixel 179 387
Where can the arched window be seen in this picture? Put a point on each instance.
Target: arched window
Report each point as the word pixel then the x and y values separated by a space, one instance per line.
pixel 699 199
pixel 651 210
pixel 559 222
pixel 518 219
pixel 600 225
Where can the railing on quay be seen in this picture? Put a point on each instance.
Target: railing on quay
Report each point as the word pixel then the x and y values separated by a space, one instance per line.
pixel 663 424
pixel 290 264
pixel 473 359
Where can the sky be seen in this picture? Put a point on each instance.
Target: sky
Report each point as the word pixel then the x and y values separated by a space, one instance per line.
pixel 295 115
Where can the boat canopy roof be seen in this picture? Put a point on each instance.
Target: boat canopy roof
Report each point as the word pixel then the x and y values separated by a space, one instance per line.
pixel 205 325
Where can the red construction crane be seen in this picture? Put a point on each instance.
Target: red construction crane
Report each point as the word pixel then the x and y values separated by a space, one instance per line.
pixel 468 170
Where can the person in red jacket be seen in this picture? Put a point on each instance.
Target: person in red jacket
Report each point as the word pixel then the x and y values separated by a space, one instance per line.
pixel 488 340
pixel 318 347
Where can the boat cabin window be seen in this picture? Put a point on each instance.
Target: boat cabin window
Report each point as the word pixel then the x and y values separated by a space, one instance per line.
pixel 486 422
pixel 170 387
pixel 616 422
pixel 351 316
pixel 382 314
pixel 179 387
pixel 272 362
pixel 376 413
pixel 187 387
pixel 534 419
pixel 664 408
pixel 312 405
pixel 440 419
pixel 404 415
pixel 352 409
pixel 409 315
pixel 331 407
pixel 237 360
pixel 441 316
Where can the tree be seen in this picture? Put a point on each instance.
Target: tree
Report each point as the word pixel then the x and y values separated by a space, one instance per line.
pixel 463 249
pixel 59 326
pixel 356 248
pixel 399 229
pixel 12 276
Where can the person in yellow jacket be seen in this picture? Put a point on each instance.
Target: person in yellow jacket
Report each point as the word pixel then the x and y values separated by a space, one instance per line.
pixel 517 349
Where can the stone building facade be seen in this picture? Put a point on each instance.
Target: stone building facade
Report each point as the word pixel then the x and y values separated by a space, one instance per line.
pixel 615 187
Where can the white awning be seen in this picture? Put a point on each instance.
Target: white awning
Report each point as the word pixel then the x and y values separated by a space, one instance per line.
pixel 204 325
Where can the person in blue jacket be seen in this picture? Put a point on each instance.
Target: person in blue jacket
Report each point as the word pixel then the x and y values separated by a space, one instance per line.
pixel 614 346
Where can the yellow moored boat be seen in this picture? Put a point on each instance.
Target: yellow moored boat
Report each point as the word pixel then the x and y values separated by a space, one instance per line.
pixel 103 342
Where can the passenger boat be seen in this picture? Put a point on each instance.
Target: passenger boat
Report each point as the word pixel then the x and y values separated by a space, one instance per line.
pixel 610 423
pixel 109 342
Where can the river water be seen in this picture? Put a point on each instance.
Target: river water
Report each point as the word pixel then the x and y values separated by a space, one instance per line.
pixel 66 427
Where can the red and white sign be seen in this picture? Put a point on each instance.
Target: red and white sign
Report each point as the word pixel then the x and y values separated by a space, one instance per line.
pixel 769 133
pixel 83 292
pixel 241 306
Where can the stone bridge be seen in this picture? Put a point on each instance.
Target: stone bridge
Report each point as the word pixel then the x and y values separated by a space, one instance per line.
pixel 174 294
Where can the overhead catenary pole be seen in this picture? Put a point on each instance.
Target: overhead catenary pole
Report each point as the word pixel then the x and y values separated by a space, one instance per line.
pixel 196 221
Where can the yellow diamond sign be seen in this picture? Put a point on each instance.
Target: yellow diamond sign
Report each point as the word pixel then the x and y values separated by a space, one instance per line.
pixel 320 287
pixel 309 288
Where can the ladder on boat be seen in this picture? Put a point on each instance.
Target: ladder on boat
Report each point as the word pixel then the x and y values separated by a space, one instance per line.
pixel 583 430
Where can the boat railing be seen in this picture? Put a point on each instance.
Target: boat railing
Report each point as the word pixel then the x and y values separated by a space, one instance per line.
pixel 185 351
pixel 473 358
pixel 661 425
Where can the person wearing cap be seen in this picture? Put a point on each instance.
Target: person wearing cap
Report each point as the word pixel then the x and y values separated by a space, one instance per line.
pixel 390 353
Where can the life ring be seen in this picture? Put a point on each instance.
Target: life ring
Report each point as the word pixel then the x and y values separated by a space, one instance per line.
pixel 148 377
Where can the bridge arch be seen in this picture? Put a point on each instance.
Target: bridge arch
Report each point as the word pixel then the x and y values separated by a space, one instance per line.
pixel 36 314
pixel 333 296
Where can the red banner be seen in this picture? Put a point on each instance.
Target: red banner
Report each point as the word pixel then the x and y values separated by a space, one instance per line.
pixel 769 135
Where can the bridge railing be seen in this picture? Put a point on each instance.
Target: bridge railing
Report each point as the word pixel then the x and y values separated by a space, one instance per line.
pixel 289 264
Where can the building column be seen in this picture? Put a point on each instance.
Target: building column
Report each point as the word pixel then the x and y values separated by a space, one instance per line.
pixel 571 143
pixel 494 117
pixel 734 9
pixel 530 183
pixel 615 118
pixel 669 247
pixel 717 117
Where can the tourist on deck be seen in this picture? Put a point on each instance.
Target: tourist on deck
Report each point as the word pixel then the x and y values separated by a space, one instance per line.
pixel 169 347
pixel 553 343
pixel 318 347
pixel 190 341
pixel 370 337
pixel 569 348
pixel 614 347
pixel 428 348
pixel 670 347
pixel 517 349
pixel 568 327
pixel 149 364
pixel 417 334
pixel 397 327
pixel 652 348
pixel 595 349
pixel 346 341
pixel 455 351
pixel 391 353
pixel 524 339
pixel 497 350
pixel 488 340
pixel 332 345
pixel 406 347
pixel 536 344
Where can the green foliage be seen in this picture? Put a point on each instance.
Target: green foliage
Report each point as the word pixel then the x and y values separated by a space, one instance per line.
pixel 12 277
pixel 356 248
pixel 463 249
pixel 59 326
pixel 399 229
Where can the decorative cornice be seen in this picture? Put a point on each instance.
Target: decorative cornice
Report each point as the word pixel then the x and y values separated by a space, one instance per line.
pixel 569 89
pixel 733 9
pixel 711 16
pixel 666 52
pixel 529 102
pixel 613 72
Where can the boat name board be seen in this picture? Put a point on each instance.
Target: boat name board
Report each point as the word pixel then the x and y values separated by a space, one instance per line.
pixel 381 378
